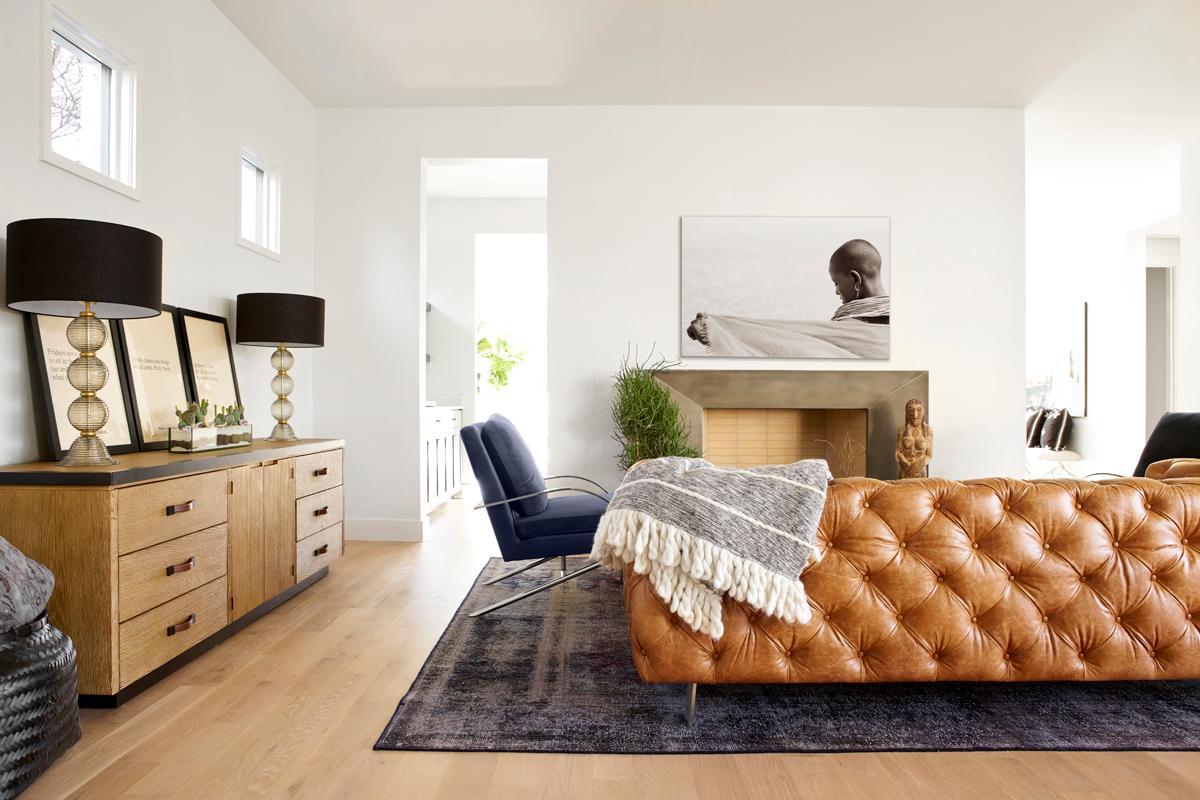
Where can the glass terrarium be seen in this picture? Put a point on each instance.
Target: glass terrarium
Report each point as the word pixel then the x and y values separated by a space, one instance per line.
pixel 194 439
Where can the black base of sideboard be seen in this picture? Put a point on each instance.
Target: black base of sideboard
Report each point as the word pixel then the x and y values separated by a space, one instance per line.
pixel 146 681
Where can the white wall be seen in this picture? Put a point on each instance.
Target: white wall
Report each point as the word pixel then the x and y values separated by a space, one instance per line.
pixel 1096 186
pixel 201 86
pixel 952 182
pixel 450 333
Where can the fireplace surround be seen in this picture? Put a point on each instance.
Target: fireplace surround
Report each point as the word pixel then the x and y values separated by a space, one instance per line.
pixel 881 393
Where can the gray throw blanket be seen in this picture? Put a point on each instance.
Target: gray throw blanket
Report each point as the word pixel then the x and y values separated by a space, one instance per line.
pixel 699 531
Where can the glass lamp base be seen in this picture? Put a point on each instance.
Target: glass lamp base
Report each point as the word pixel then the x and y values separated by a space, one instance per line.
pixel 282 432
pixel 87 451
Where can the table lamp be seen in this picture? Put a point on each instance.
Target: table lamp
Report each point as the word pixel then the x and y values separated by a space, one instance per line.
pixel 90 271
pixel 269 319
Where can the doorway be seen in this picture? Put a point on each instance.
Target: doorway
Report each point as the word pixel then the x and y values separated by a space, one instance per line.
pixel 1162 255
pixel 486 293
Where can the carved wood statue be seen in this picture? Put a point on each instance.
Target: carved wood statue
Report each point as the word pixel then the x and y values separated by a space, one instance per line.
pixel 914 442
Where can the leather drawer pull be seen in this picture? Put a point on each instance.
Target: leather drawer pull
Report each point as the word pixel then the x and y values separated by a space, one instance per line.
pixel 317 473
pixel 184 567
pixel 180 627
pixel 322 511
pixel 179 508
pixel 322 550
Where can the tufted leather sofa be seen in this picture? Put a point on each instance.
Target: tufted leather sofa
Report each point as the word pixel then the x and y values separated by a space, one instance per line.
pixel 987 580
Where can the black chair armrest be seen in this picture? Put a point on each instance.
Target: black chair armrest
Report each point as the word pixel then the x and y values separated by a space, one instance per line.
pixel 537 494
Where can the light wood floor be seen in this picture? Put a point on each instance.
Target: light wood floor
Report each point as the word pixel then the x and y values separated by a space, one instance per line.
pixel 290 706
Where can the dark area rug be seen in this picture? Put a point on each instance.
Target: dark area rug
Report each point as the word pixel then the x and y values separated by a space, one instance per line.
pixel 554 674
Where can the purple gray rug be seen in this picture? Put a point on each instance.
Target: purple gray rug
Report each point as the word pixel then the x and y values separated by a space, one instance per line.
pixel 553 674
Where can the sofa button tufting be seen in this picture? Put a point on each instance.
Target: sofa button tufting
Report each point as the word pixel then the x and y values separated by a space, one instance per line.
pixel 1045 545
pixel 1007 507
pixel 1081 655
pixel 900 617
pixel 1012 577
pixel 935 656
pixel 1045 618
pixel 1153 576
pixel 860 653
pixel 974 545
pixel 1007 657
pixel 866 578
pixel 937 505
pixel 1117 619
pixel 904 545
pixel 827 618
pixel 1116 545
pixel 866 505
pixel 974 620
pixel 940 579
pixel 1079 505
pixel 1083 578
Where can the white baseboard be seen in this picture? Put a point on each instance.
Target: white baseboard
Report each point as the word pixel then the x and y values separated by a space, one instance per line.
pixel 386 530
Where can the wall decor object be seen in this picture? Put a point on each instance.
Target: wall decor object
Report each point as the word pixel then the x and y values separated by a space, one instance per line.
pixel 208 357
pixel 270 319
pixel 785 287
pixel 914 442
pixel 155 375
pixel 50 357
pixel 89 271
pixel 1056 363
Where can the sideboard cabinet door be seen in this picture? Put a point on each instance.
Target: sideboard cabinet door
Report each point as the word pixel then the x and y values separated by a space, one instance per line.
pixel 247 557
pixel 279 525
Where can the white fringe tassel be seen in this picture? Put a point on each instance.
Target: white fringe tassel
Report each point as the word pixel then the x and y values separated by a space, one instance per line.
pixel 690 574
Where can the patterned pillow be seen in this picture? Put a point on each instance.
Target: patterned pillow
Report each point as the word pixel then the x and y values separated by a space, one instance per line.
pixel 25 587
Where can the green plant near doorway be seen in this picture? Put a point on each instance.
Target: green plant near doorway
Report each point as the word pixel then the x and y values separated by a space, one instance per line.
pixel 648 423
pixel 499 356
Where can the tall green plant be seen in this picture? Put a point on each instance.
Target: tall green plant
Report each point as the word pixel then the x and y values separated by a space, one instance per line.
pixel 648 422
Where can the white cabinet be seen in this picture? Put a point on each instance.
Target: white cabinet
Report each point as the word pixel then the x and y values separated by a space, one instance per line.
pixel 441 426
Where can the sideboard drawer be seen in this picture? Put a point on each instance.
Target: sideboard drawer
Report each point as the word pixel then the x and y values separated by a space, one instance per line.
pixel 154 575
pixel 156 512
pixel 318 511
pixel 154 638
pixel 319 550
pixel 318 471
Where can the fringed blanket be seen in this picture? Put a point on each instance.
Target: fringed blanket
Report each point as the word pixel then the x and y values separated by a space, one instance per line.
pixel 700 531
pixel 848 337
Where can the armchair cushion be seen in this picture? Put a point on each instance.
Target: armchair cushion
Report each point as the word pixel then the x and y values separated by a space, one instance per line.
pixel 514 465
pixel 575 513
pixel 1174 468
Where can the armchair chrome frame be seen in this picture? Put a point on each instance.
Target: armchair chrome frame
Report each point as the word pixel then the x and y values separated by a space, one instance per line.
pixel 563 575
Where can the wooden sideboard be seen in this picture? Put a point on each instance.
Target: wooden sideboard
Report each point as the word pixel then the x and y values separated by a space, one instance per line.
pixel 160 556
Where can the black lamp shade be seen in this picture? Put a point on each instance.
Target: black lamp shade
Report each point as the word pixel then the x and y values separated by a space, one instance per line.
pixel 54 265
pixel 269 319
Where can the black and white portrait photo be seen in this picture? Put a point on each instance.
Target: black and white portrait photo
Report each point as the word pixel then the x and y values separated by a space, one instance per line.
pixel 786 287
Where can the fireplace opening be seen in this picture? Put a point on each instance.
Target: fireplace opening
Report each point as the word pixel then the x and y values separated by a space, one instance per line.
pixel 751 437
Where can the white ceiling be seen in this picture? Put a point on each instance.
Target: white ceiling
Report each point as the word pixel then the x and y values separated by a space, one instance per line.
pixel 1002 53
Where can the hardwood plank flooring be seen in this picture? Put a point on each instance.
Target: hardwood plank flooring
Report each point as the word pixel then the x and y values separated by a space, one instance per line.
pixel 290 706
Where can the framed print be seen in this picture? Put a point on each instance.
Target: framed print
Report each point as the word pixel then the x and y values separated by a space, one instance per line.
pixel 50 354
pixel 785 287
pixel 154 372
pixel 208 357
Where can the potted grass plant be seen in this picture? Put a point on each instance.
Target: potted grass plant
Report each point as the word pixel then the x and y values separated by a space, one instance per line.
pixel 647 421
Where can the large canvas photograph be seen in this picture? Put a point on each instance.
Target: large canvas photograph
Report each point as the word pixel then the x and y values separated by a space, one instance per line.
pixel 786 287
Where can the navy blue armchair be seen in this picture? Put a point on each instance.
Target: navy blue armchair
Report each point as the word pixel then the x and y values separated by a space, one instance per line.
pixel 530 519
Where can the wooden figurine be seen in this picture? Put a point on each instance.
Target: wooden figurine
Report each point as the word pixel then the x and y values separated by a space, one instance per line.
pixel 914 442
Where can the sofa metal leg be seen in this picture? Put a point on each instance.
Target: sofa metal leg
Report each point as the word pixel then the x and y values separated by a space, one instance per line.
pixel 562 566
pixel 518 570
pixel 689 704
pixel 536 590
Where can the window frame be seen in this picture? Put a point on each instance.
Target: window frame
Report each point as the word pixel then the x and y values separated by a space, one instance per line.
pixel 119 159
pixel 270 212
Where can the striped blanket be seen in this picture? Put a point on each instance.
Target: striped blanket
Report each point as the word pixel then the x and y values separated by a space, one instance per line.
pixel 700 531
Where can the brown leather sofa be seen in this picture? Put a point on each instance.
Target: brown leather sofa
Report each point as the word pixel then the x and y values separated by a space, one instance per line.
pixel 987 580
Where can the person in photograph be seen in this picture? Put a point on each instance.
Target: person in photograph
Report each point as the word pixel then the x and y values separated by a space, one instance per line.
pixel 858 328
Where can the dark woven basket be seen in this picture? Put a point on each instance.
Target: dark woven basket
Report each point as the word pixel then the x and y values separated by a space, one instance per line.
pixel 39 705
